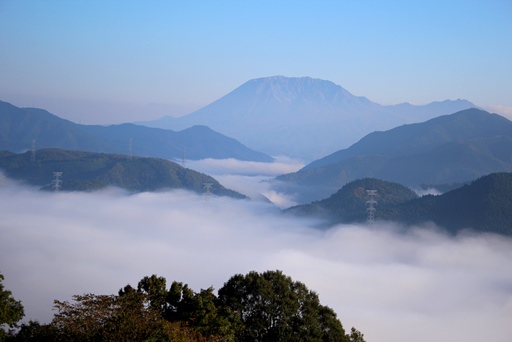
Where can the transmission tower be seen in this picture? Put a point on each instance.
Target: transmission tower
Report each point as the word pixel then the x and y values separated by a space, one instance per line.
pixel 56 183
pixel 33 155
pixel 130 150
pixel 207 190
pixel 371 203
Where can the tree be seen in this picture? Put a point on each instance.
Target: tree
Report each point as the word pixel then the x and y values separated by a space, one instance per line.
pixel 155 289
pixel 211 318
pixel 127 317
pixel 200 311
pixel 356 335
pixel 34 331
pixel 273 307
pixel 11 310
pixel 255 307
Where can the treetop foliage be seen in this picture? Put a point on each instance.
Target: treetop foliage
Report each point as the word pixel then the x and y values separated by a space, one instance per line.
pixel 11 310
pixel 266 306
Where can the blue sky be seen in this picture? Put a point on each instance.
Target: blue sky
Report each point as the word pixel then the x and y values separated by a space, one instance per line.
pixel 118 61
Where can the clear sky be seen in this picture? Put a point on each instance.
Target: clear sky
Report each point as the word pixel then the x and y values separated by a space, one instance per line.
pixel 119 61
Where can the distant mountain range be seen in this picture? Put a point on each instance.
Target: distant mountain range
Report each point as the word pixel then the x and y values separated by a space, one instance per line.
pixel 87 171
pixel 485 205
pixel 448 149
pixel 19 127
pixel 301 117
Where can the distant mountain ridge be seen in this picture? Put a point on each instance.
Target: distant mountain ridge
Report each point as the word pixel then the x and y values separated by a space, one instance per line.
pixel 421 137
pixel 448 149
pixel 20 126
pixel 302 117
pixel 484 205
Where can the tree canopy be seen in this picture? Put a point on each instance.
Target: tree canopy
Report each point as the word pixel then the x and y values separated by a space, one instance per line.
pixel 265 306
pixel 11 310
pixel 273 307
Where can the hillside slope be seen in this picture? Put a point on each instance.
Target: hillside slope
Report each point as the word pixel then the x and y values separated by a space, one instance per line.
pixel 87 171
pixel 484 205
pixel 450 149
pixel 301 117
pixel 19 127
pixel 421 137
pixel 348 204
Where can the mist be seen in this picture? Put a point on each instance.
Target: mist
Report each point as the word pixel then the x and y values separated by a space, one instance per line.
pixel 418 285
pixel 253 179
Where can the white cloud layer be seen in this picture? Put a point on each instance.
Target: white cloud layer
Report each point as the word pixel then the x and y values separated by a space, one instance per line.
pixel 392 286
pixel 251 178
pixel 429 191
pixel 501 110
pixel 232 166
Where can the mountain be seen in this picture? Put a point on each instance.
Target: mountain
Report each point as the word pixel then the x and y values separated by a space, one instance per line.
pixel 349 203
pixel 448 149
pixel 484 205
pixel 86 171
pixel 418 138
pixel 301 117
pixel 19 127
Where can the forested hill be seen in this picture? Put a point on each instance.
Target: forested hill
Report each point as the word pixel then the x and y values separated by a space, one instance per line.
pixel 485 205
pixel 455 148
pixel 86 171
pixel 349 203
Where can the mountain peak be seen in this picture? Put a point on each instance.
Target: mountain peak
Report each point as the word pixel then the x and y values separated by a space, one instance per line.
pixel 301 117
pixel 289 90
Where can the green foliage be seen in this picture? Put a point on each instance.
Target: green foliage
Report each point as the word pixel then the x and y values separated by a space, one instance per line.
pixel 11 310
pixel 200 311
pixel 155 289
pixel 356 335
pixel 272 307
pixel 255 307
pixel 92 317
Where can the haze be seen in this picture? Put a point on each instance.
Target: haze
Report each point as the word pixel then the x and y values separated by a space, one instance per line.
pixel 107 62
pixel 117 61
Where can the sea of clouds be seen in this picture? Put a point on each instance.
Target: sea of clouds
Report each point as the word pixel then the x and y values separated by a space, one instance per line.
pixel 392 285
